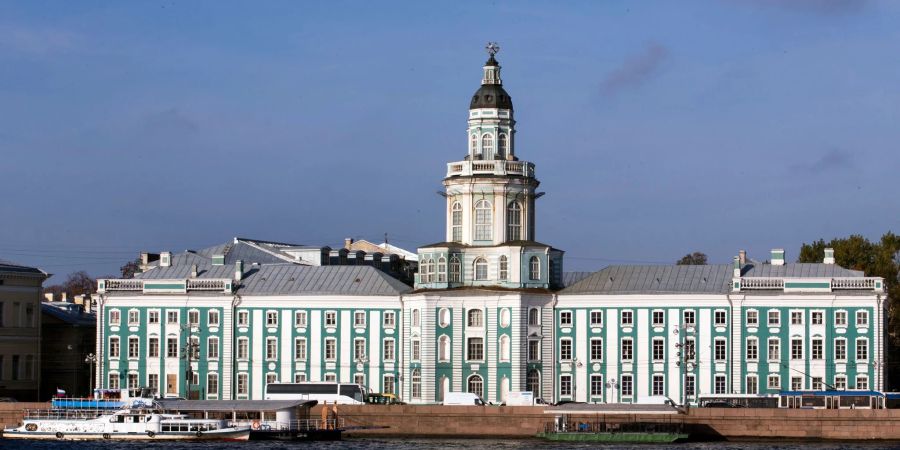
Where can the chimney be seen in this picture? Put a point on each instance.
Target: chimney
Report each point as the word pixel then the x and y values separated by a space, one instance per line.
pixel 737 267
pixel 48 297
pixel 238 270
pixel 829 256
pixel 193 271
pixel 348 242
pixel 165 259
pixel 742 255
pixel 62 297
pixel 777 256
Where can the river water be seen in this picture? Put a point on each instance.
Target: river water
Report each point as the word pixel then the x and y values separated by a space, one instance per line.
pixel 438 444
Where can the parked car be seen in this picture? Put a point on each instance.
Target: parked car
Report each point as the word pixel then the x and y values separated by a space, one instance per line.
pixel 462 398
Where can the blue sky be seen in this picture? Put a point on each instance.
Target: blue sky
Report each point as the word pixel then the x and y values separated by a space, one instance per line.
pixel 658 128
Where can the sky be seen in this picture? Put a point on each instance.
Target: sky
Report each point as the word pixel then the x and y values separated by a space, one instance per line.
pixel 657 128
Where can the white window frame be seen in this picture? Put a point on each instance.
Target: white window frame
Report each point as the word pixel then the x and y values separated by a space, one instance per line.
pixel 599 314
pixel 356 319
pixel 301 352
pixel 300 319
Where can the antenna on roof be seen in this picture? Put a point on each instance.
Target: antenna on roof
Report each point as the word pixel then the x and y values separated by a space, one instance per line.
pixel 385 240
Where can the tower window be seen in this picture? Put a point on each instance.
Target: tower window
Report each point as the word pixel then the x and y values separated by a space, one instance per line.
pixel 501 146
pixel 481 269
pixel 514 222
pixel 487 145
pixel 455 268
pixel 456 222
pixel 504 267
pixel 535 266
pixel 475 145
pixel 441 270
pixel 483 220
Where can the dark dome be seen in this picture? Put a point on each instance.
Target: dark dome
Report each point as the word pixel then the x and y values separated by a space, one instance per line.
pixel 491 96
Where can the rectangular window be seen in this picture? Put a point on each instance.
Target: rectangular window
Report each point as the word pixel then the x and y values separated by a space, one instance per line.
pixel 153 347
pixel 752 384
pixel 243 318
pixel 720 350
pixel 476 348
pixel 271 348
pixel 359 319
pixel 359 378
pixel 416 350
pixel 565 385
pixel 300 319
pixel 817 383
pixel 299 377
pixel 153 316
pixel 171 347
pixel 565 349
pixel 243 348
pixel 114 317
pixel 627 387
pixel 721 318
pixel 596 349
pixel 330 377
pixel 774 382
pixel 212 318
pixel 659 386
pixel 271 378
pixel 840 349
pixel 840 382
pixel 134 317
pixel 627 318
pixel 774 318
pixel 534 350
pixel 388 350
pixel 659 350
pixel 862 349
pixel 659 318
pixel 271 318
pixel 796 383
pixel 796 317
pixel 840 318
pixel 172 317
pixel 153 382
pixel 796 348
pixel 689 346
pixel 212 384
pixel 596 385
pixel 862 318
pixel 132 381
pixel 300 349
pixel 194 318
pixel 330 349
pixel 720 384
pixel 212 348
pixel 596 318
pixel 243 384
pixel 689 318
pixel 359 349
pixel 752 349
pixel 113 381
pixel 817 318
pixel 330 319
pixel 388 384
pixel 774 349
pixel 114 348
pixel 627 349
pixel 389 319
pixel 862 382
pixel 752 318
pixel 565 318
pixel 689 385
pixel 817 349
pixel 134 347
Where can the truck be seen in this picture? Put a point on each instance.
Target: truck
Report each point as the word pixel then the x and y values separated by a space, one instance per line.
pixel 462 398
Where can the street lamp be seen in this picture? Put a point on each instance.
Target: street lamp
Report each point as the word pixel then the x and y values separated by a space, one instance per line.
pixel 612 385
pixel 91 359
pixel 576 363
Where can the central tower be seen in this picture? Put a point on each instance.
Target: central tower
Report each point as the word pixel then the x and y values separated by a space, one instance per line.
pixel 490 212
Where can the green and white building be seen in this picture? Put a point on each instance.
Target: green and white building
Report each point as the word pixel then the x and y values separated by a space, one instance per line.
pixel 491 311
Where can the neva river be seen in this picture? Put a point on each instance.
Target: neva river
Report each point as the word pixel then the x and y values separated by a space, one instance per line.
pixel 441 444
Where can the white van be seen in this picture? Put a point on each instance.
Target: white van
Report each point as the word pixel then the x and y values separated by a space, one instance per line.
pixel 462 398
pixel 519 398
pixel 656 400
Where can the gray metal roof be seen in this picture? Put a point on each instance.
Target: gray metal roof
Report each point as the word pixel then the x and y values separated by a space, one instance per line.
pixel 801 270
pixel 9 266
pixel 232 405
pixel 570 278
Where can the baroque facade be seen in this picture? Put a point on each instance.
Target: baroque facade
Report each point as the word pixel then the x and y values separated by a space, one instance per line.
pixel 491 311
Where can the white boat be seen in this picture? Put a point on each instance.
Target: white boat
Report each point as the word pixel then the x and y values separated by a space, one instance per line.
pixel 122 424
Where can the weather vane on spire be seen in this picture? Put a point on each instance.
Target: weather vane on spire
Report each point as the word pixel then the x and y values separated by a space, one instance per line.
pixel 492 48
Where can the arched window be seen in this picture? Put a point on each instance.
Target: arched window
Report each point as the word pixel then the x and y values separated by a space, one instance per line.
pixel 444 348
pixel 487 145
pixel 456 222
pixel 476 385
pixel 481 269
pixel 505 317
pixel 501 146
pixel 535 266
pixel 416 384
pixel 442 270
pixel 415 318
pixel 475 318
pixel 483 220
pixel 475 145
pixel 533 382
pixel 455 268
pixel 504 267
pixel 444 317
pixel 514 222
pixel 504 348
pixel 533 317
pixel 424 271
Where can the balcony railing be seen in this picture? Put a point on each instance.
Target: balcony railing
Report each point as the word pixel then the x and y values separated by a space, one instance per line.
pixel 169 286
pixel 488 167
pixel 875 284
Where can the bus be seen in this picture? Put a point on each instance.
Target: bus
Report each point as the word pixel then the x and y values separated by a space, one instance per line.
pixel 324 391
pixel 832 399
pixel 738 401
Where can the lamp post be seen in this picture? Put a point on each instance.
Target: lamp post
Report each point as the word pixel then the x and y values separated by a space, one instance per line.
pixel 576 363
pixel 91 359
pixel 685 354
pixel 612 385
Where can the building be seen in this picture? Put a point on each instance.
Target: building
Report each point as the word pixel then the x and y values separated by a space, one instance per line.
pixel 20 330
pixel 68 337
pixel 492 310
